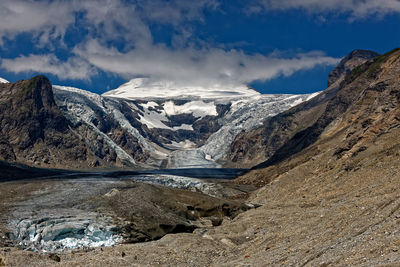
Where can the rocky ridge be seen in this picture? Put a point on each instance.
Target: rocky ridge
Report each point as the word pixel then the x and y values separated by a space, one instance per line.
pixel 292 130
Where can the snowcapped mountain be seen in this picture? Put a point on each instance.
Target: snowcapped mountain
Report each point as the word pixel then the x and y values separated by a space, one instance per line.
pixel 147 88
pixel 158 125
pixel 174 127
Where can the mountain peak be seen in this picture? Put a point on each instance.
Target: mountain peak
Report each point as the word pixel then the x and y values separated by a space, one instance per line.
pixel 348 63
pixel 40 90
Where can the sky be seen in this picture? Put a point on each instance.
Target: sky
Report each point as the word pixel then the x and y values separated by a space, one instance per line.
pixel 274 46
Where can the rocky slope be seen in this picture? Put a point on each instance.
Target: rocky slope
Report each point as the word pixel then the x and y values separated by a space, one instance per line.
pixel 348 63
pixel 293 130
pixel 335 202
pixel 34 131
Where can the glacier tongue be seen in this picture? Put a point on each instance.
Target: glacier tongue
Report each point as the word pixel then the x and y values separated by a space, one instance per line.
pixel 190 158
pixel 57 233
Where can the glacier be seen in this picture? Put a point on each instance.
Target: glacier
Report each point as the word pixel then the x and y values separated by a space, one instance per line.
pixel 178 126
pixel 167 124
pixel 246 114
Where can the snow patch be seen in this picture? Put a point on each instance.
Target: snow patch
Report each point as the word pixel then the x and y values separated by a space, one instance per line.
pixel 199 109
pixel 148 105
pixel 3 80
pixel 156 118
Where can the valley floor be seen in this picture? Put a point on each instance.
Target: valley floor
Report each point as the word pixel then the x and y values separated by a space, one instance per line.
pixel 319 213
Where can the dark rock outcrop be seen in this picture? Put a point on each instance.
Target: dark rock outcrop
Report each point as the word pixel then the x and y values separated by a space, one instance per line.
pixel 34 131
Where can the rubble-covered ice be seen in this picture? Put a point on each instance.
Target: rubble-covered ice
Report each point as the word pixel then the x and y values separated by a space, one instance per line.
pixel 55 218
pixel 181 182
pixel 57 233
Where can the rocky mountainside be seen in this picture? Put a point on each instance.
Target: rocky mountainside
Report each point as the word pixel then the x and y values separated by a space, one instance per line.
pixel 335 202
pixel 364 108
pixel 348 63
pixel 291 131
pixel 34 131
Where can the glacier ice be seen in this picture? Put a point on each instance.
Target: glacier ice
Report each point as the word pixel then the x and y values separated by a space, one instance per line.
pixel 57 233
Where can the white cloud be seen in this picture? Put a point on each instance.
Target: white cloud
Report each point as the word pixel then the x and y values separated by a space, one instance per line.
pixel 73 68
pixel 109 19
pixel 356 8
pixel 109 24
pixel 44 19
pixel 204 67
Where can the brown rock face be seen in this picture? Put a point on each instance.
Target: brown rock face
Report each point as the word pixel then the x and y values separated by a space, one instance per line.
pixel 293 130
pixel 33 129
pixel 365 108
pixel 349 62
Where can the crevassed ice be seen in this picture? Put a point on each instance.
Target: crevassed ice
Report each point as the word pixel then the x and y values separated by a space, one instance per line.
pixel 58 233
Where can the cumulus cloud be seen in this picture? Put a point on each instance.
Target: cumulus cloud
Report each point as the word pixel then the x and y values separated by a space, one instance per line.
pixel 73 68
pixel 356 8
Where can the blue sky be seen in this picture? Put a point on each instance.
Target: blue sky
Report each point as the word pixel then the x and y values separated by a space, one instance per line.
pixel 276 46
